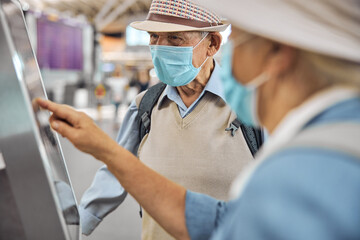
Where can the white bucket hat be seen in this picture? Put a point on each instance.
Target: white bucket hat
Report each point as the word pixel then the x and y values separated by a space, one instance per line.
pixel 329 27
pixel 179 16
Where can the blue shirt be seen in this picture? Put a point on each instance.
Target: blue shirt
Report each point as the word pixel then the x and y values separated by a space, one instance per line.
pixel 297 193
pixel 105 193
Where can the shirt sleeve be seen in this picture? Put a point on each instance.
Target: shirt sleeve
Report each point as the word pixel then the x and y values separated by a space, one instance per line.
pixel 105 193
pixel 300 193
pixel 203 214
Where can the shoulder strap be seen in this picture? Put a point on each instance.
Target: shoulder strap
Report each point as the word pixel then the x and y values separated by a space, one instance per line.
pixel 146 105
pixel 254 137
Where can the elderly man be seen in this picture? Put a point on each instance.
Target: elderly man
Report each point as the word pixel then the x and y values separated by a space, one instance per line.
pixel 187 142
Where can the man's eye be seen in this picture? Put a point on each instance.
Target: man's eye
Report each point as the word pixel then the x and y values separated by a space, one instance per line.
pixel 153 35
pixel 174 38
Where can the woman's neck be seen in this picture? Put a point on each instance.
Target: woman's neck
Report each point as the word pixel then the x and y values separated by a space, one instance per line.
pixel 277 100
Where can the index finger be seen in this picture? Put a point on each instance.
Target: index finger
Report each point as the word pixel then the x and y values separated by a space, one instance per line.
pixel 60 111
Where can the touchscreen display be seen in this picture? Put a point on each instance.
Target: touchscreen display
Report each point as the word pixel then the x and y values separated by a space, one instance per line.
pixel 27 71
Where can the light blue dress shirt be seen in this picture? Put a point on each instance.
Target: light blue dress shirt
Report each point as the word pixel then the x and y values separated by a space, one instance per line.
pixel 105 193
pixel 297 193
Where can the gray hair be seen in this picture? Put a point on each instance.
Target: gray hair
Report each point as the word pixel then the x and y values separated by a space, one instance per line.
pixel 198 34
pixel 203 34
pixel 333 71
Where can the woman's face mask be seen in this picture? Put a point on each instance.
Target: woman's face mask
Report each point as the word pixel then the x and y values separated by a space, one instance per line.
pixel 173 65
pixel 241 98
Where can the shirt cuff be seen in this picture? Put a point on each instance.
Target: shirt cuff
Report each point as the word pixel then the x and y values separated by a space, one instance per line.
pixel 88 221
pixel 200 214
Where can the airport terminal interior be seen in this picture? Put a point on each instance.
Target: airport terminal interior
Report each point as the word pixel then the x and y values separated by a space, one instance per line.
pixel 85 54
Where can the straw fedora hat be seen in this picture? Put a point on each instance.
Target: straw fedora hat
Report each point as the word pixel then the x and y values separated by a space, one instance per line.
pixel 179 16
pixel 329 27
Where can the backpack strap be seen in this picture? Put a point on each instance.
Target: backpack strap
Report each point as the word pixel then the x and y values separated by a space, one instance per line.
pixel 146 105
pixel 254 137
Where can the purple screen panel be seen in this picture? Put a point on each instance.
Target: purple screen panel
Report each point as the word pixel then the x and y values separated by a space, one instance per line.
pixel 59 46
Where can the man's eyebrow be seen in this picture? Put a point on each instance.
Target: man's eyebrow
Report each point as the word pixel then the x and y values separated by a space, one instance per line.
pixel 181 34
pixel 176 33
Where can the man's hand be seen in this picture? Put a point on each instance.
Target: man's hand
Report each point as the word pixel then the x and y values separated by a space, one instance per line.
pixel 79 128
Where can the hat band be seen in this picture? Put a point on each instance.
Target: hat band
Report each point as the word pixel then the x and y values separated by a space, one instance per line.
pixel 181 21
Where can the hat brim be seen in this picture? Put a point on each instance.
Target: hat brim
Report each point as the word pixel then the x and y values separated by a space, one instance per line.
pixel 300 25
pixel 153 26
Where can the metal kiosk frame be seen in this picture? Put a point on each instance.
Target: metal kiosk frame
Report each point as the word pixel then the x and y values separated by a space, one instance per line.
pixel 36 197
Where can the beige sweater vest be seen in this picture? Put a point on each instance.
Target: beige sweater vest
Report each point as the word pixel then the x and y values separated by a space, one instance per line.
pixel 195 152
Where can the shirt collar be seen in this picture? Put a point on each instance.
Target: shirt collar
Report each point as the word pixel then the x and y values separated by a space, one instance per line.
pixel 214 86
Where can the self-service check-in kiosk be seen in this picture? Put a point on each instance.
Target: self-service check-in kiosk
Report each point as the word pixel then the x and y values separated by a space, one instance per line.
pixel 36 197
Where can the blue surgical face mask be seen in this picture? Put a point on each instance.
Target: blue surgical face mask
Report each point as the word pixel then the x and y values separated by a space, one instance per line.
pixel 173 65
pixel 242 99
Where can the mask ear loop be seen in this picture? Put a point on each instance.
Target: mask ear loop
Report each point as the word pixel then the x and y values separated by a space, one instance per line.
pixel 197 45
pixel 204 62
pixel 201 40
pixel 258 81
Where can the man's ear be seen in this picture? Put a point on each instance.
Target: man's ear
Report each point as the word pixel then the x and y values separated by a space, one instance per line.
pixel 215 43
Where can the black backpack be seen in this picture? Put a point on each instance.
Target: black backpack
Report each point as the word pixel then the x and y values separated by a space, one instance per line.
pixel 253 136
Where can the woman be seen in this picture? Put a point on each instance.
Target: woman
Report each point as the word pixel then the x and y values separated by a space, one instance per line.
pixel 293 67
